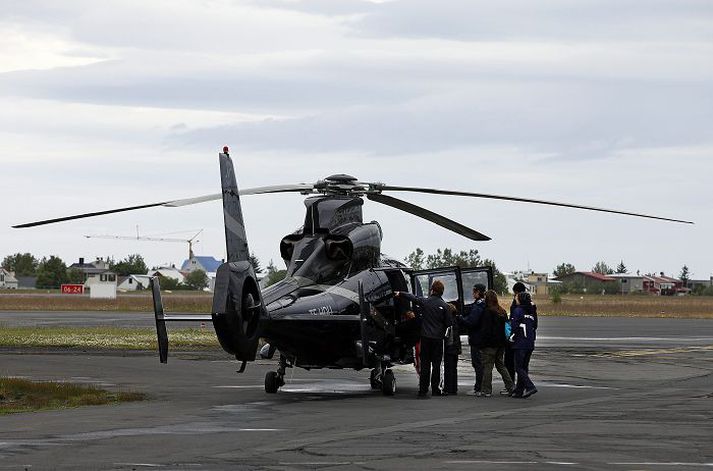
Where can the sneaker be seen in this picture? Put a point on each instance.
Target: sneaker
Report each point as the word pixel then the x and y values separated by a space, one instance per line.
pixel 516 395
pixel 486 395
pixel 529 393
pixel 506 392
pixel 478 394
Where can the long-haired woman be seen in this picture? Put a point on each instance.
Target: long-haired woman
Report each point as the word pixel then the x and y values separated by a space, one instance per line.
pixel 492 349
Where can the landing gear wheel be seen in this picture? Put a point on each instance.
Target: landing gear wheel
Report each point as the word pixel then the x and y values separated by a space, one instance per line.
pixel 272 382
pixel 374 379
pixel 388 383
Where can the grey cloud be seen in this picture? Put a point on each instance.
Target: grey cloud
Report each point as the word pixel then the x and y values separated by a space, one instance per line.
pixel 117 83
pixel 470 20
pixel 576 120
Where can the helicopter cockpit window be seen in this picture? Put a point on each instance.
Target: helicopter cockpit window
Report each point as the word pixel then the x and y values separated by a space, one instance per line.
pixel 310 260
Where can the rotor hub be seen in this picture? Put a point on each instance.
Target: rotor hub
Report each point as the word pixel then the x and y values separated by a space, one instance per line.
pixel 343 185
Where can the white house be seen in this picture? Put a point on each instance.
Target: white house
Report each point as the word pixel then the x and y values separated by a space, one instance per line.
pixel 96 273
pixel 133 282
pixel 7 279
pixel 168 272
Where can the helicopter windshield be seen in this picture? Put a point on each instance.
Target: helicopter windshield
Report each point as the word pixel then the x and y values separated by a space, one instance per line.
pixel 309 260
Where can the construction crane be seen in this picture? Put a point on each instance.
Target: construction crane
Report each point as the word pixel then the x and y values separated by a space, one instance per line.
pixel 190 241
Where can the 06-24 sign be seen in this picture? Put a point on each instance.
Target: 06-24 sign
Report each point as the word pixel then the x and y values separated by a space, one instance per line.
pixel 72 289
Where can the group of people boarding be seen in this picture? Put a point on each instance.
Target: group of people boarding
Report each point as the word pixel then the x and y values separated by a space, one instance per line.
pixel 495 339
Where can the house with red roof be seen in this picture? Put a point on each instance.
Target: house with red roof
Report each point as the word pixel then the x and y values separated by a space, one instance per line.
pixel 664 285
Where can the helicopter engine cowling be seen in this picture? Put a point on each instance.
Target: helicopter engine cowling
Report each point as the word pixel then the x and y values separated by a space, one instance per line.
pixel 237 309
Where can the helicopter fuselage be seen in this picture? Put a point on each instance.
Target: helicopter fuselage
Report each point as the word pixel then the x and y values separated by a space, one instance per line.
pixel 313 315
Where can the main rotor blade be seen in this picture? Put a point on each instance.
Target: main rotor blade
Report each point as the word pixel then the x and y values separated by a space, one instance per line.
pixel 260 190
pixel 428 215
pixel 173 203
pixel 522 200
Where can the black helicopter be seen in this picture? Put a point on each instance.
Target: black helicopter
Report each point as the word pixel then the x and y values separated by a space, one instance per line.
pixel 335 307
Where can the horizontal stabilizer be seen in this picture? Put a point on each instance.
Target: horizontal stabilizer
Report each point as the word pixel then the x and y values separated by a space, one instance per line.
pixel 162 318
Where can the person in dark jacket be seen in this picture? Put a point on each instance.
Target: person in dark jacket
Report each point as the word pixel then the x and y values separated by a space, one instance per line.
pixel 524 325
pixel 471 322
pixel 493 343
pixel 450 356
pixel 435 319
pixel 517 288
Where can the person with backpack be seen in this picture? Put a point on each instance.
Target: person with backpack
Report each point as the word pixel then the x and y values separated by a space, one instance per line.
pixel 492 346
pixel 517 288
pixel 523 324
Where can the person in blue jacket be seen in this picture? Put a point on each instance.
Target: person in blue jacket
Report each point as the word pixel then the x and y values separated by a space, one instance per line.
pixel 523 323
pixel 473 323
pixel 519 287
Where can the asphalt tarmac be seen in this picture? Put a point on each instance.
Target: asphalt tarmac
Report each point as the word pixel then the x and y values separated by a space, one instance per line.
pixel 622 394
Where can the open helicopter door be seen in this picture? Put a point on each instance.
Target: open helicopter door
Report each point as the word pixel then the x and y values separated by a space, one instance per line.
pixel 458 283
pixel 450 277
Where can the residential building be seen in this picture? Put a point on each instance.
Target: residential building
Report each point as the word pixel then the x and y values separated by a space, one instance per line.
pixel 208 264
pixel 133 282
pixel 7 279
pixel 629 283
pixel 96 273
pixel 663 285
pixel 589 281
pixel 538 283
pixel 168 272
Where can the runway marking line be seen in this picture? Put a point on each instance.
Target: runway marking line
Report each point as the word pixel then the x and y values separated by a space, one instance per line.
pixel 321 463
pixel 654 351
pixel 650 463
pixel 556 463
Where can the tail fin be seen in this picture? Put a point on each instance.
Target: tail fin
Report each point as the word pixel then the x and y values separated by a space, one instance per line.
pixel 235 239
pixel 237 303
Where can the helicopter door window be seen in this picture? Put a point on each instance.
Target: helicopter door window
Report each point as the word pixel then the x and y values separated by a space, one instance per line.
pixel 472 276
pixel 423 281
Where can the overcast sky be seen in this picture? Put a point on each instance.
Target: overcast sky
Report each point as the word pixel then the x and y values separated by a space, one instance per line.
pixel 604 103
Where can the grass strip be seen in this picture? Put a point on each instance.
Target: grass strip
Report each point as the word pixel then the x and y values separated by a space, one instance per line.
pixel 184 302
pixel 21 395
pixel 104 338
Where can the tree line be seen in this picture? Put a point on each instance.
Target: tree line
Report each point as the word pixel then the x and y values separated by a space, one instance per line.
pixel 418 260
